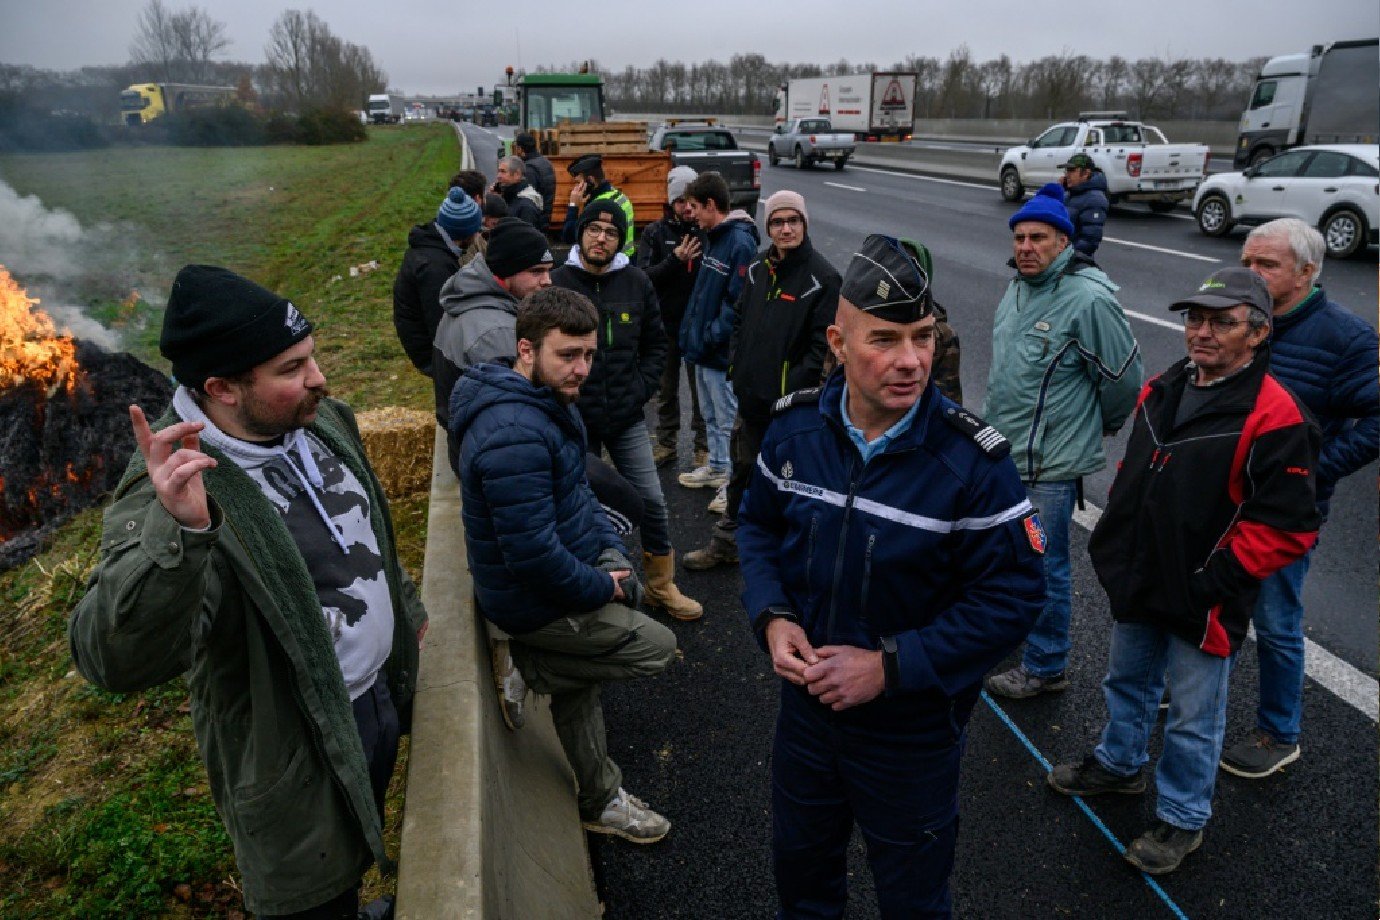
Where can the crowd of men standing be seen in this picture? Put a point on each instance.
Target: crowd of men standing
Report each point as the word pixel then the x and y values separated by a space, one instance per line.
pixel 895 547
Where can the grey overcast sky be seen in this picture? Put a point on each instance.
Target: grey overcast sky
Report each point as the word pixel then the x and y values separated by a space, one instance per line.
pixel 430 46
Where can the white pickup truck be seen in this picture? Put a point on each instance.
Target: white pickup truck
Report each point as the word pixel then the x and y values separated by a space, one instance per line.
pixel 1137 160
pixel 807 141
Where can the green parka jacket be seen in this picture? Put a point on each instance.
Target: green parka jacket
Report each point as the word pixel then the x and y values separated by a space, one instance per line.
pixel 1066 369
pixel 236 607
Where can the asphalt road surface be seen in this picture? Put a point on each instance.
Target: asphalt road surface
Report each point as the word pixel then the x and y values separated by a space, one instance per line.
pixel 695 741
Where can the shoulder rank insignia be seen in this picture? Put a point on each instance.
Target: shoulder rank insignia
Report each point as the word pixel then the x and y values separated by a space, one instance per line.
pixel 983 434
pixel 798 398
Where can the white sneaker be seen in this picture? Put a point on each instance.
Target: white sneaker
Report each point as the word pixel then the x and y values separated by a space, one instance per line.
pixel 703 477
pixel 720 503
pixel 629 817
pixel 512 689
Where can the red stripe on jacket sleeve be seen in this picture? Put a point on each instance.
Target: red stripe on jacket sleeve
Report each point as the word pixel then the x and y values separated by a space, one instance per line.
pixel 1215 641
pixel 1263 550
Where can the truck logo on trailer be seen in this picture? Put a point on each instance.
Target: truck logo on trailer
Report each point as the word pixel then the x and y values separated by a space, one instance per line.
pixel 824 100
pixel 894 97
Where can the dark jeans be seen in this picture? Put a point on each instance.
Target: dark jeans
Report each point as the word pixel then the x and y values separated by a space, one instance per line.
pixel 377 722
pixel 668 410
pixel 744 446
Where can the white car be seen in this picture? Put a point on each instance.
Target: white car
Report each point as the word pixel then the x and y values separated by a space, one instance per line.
pixel 1334 187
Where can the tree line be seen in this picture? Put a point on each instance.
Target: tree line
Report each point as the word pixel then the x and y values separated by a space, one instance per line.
pixel 1051 87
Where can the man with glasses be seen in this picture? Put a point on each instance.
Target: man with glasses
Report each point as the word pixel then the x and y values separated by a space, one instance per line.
pixel 778 347
pixel 1325 354
pixel 625 375
pixel 1215 494
pixel 1065 372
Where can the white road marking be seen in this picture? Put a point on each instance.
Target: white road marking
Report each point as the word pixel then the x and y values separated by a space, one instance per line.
pixel 851 188
pixel 1347 683
pixel 1147 318
pixel 903 175
pixel 1172 252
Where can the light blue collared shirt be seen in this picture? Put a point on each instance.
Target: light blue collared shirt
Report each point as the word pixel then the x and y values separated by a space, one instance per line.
pixel 870 450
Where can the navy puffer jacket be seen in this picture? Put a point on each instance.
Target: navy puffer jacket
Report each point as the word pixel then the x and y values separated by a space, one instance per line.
pixel 533 528
pixel 706 330
pixel 1326 355
pixel 1087 206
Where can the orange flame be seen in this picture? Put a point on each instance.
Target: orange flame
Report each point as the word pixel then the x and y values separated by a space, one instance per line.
pixel 31 347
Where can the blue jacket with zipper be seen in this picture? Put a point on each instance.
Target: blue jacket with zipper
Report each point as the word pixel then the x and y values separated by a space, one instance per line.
pixel 706 330
pixel 932 542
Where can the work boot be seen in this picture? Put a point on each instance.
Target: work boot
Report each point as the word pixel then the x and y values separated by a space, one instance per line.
pixel 1255 757
pixel 1018 683
pixel 1091 778
pixel 1160 850
pixel 512 689
pixel 661 590
pixel 663 454
pixel 628 817
pixel 722 550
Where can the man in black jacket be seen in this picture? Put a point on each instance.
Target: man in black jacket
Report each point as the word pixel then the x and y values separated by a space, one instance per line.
pixel 435 251
pixel 524 202
pixel 539 172
pixel 626 371
pixel 778 347
pixel 669 252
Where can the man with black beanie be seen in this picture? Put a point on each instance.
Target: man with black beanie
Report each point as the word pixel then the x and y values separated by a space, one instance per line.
pixel 248 546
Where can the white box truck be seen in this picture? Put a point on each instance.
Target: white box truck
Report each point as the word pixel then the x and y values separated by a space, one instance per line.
pixel 386 109
pixel 1323 96
pixel 873 106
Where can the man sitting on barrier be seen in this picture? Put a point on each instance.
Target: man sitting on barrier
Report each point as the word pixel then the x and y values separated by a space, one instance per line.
pixel 548 568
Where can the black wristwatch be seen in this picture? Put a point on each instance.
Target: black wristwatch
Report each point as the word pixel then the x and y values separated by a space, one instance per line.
pixel 890 666
pixel 778 612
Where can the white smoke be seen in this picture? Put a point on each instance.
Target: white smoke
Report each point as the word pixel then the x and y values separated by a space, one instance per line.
pixel 64 264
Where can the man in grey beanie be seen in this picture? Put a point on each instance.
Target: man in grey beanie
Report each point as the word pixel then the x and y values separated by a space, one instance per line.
pixel 248 546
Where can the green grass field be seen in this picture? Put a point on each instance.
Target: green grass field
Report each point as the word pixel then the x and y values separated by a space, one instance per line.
pixel 103 800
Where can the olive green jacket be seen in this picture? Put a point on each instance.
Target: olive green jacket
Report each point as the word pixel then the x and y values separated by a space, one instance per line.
pixel 236 607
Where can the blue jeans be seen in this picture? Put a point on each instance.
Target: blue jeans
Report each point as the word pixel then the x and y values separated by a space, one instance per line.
pixel 719 407
pixel 631 453
pixel 1047 646
pixel 1279 648
pixel 1143 660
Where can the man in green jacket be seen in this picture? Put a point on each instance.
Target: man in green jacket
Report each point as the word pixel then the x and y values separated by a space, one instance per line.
pixel 249 545
pixel 1065 373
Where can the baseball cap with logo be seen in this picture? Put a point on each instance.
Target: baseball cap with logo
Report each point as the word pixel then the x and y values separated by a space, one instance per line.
pixel 1079 161
pixel 1227 287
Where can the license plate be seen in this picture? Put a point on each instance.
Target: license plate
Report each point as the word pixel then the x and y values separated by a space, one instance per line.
pixel 1171 183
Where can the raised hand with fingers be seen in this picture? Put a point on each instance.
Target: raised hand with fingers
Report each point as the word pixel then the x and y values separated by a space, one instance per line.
pixel 175 463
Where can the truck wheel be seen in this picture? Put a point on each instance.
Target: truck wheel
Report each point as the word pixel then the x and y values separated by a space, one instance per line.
pixel 772 158
pixel 1260 155
pixel 1214 215
pixel 1162 207
pixel 800 161
pixel 840 163
pixel 1344 232
pixel 1011 188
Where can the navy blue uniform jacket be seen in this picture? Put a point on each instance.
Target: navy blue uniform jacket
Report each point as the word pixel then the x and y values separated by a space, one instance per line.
pixel 932 541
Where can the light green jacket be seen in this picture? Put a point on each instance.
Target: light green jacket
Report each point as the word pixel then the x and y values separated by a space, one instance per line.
pixel 1066 369
pixel 236 607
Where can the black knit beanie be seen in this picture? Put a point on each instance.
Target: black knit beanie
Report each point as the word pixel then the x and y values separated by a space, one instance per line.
pixel 218 323
pixel 515 246
pixel 603 209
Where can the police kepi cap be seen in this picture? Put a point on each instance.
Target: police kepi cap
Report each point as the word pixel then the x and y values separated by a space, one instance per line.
pixel 585 164
pixel 1227 287
pixel 885 280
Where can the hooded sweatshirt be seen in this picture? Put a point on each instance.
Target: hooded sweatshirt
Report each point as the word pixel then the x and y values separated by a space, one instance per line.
pixel 632 343
pixel 478 324
pixel 706 331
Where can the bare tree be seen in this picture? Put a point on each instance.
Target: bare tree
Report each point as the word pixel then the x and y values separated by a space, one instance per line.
pixel 177 45
pixel 309 67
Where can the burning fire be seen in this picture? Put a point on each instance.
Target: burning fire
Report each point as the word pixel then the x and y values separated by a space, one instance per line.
pixel 31 348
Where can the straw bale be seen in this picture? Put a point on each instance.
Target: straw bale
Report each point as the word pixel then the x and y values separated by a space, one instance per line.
pixel 399 442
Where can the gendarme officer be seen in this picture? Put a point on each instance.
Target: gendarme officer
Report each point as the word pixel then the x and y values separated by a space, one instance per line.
pixel 891 558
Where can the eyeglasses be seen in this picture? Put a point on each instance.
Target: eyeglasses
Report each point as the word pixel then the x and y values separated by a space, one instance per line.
pixel 602 230
pixel 1194 320
pixel 776 223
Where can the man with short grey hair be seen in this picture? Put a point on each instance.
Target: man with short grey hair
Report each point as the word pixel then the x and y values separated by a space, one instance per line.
pixel 524 202
pixel 1325 354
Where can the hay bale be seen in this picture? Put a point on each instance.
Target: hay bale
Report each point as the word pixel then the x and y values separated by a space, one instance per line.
pixel 398 442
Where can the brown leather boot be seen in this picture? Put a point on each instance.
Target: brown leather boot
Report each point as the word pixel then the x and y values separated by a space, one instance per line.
pixel 721 550
pixel 662 591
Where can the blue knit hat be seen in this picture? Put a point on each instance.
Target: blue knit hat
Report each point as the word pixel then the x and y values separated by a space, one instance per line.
pixel 1048 208
pixel 459 215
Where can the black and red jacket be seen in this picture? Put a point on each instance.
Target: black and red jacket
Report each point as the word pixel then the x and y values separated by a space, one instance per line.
pixel 1200 513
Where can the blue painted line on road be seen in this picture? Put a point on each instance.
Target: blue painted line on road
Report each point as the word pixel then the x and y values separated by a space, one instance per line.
pixel 1082 805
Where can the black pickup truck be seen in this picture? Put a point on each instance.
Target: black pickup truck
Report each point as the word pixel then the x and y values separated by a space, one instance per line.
pixel 703 146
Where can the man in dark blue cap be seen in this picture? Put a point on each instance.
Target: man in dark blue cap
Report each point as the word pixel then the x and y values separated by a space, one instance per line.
pixel 890 558
pixel 590 186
